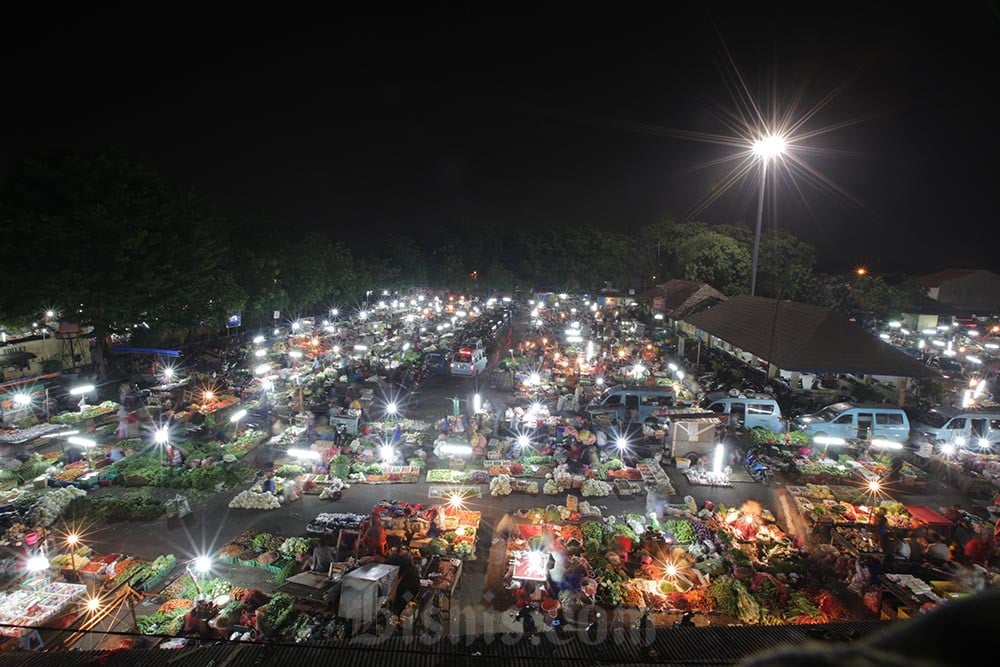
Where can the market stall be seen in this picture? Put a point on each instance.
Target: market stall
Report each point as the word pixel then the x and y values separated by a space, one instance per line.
pixel 733 563
pixel 38 603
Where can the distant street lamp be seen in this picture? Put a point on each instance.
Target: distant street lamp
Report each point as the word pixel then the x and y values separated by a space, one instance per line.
pixel 765 148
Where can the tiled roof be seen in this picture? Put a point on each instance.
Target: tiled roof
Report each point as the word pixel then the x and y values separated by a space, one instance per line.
pixel 937 279
pixel 802 337
pixel 681 296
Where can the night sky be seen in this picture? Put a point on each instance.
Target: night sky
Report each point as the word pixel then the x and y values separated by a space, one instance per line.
pixel 500 115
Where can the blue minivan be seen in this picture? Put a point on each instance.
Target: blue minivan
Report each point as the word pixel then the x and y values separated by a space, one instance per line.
pixel 857 422
pixel 745 412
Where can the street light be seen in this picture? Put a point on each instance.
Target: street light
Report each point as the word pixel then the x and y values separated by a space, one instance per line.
pixel 37 564
pixel 161 437
pixel 87 444
pixel 82 389
pixel 235 419
pixel 765 148
pixel 202 566
pixel 71 541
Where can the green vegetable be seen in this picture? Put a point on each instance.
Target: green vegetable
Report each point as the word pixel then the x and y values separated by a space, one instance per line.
pixel 682 530
pixel 747 609
pixel 723 592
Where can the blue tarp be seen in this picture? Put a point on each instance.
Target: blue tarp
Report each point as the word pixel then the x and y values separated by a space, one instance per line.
pixel 145 350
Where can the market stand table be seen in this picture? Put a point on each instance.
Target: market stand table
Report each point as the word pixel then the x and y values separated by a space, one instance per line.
pixel 857 540
pixel 448 579
pixel 36 604
pixel 930 517
pixel 911 592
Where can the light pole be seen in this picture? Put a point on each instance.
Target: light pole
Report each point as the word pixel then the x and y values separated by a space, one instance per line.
pixel 765 148
pixel 82 390
pixel 161 437
pixel 235 419
pixel 87 444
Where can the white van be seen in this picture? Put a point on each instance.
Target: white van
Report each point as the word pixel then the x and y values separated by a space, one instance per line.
pixel 741 411
pixel 469 360
pixel 961 427
pixel 857 422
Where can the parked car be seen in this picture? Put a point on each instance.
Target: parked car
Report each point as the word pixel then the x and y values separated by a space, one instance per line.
pixel 962 427
pixel 637 404
pixel 748 412
pixel 857 422
pixel 949 367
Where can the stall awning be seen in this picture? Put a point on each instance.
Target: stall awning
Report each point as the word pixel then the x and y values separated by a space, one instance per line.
pixel 927 515
pixel 146 350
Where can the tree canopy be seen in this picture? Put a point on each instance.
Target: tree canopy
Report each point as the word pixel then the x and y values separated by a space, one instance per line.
pixel 108 243
pixel 111 244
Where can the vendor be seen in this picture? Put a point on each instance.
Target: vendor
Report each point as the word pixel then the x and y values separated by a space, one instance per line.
pixel 269 485
pixel 74 454
pixel 375 539
pixel 407 585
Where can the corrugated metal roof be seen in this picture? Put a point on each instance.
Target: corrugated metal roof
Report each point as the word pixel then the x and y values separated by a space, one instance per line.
pixel 705 646
pixel 802 337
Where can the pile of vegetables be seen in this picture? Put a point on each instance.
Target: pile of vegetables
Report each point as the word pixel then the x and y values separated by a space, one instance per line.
pixel 255 501
pixel 595 487
pixel 681 530
pixel 290 471
pixel 500 485
pixel 139 506
pixel 53 504
pixel 279 609
pixel 440 475
pixel 91 411
pixel 294 546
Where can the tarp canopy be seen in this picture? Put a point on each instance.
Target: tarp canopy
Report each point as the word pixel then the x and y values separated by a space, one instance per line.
pixel 927 515
pixel 146 350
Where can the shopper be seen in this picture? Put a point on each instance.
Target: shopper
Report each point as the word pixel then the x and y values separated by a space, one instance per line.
pixel 978 549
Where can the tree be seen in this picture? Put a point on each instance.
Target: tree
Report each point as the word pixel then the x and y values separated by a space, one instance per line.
pixel 716 259
pixel 113 246
pixel 785 267
pixel 405 258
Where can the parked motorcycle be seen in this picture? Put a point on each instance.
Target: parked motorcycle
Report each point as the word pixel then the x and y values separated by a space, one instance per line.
pixel 756 468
